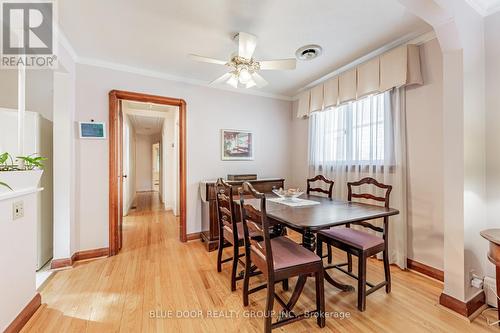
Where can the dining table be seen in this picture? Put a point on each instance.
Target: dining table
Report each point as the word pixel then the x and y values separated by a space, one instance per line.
pixel 309 218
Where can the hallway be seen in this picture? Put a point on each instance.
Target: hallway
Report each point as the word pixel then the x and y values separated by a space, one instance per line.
pixel 156 274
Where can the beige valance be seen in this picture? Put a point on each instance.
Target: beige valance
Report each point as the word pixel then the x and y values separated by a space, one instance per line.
pixel 400 67
pixel 317 97
pixel 368 78
pixel 347 86
pixel 331 91
pixel 396 68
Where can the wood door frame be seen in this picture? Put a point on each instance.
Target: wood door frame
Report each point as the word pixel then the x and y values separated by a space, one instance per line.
pixel 114 97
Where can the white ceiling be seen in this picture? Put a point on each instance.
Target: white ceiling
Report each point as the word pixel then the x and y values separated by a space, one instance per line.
pixel 146 118
pixel 157 35
pixel 145 125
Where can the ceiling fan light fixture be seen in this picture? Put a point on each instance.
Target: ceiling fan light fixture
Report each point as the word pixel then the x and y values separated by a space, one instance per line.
pixel 244 76
pixel 251 83
pixel 244 68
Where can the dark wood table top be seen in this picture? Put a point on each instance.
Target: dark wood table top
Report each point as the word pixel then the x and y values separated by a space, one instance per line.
pixel 493 235
pixel 328 213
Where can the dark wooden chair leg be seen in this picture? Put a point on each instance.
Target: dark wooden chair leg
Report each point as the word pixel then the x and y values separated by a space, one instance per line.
pixel 362 283
pixel 349 263
pixel 319 247
pixel 285 285
pixel 268 315
pixel 246 277
pixel 320 299
pixel 219 254
pixel 330 256
pixel 387 271
pixel 236 256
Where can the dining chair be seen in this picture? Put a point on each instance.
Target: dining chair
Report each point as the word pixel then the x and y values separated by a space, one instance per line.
pixel 278 259
pixel 361 243
pixel 230 230
pixel 310 188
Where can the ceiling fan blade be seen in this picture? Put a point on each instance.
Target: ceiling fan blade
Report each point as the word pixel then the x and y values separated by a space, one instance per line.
pixel 233 81
pixel 221 79
pixel 281 64
pixel 246 45
pixel 207 59
pixel 259 80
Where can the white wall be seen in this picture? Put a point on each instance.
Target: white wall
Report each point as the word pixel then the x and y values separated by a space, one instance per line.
pixel 39 85
pixel 424 118
pixel 17 245
pixel 492 27
pixel 208 111
pixel 143 162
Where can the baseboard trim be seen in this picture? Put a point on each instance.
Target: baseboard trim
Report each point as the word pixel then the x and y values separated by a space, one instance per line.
pixel 61 263
pixel 80 255
pixel 462 308
pixel 426 270
pixel 90 254
pixel 193 236
pixel 25 315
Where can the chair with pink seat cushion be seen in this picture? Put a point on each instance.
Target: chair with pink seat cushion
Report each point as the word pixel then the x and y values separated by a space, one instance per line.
pixel 278 259
pixel 228 223
pixel 361 243
pixel 312 188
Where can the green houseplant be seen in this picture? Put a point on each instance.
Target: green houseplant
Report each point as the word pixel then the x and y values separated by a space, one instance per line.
pixel 32 162
pixel 24 174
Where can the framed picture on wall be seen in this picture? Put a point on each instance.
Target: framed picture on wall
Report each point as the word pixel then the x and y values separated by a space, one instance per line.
pixel 237 145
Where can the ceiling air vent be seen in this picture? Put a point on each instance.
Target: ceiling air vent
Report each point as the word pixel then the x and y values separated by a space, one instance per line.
pixel 308 52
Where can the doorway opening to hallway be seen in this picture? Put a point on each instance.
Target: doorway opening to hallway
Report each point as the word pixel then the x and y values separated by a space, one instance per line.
pixel 147 160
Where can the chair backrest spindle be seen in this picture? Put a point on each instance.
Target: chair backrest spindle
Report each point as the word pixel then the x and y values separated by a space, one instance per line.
pixel 318 189
pixel 368 196
pixel 254 218
pixel 225 209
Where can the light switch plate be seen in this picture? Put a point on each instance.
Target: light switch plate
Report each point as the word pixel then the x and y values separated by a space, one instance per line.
pixel 17 210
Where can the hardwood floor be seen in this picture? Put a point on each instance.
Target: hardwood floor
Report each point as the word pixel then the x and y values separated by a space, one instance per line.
pixel 155 273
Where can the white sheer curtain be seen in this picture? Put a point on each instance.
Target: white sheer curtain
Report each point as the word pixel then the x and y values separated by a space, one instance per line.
pixel 365 138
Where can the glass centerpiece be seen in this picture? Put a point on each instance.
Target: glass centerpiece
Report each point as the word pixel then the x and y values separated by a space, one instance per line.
pixel 290 194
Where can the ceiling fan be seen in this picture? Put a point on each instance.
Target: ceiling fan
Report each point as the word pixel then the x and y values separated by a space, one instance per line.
pixel 243 66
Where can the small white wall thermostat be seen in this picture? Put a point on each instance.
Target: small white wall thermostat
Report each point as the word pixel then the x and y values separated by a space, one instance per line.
pixel 92 130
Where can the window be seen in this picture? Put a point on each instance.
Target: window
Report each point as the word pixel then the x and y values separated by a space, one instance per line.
pixel 356 133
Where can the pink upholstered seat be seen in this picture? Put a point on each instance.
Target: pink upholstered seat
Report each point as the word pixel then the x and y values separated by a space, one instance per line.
pixel 287 254
pixel 355 238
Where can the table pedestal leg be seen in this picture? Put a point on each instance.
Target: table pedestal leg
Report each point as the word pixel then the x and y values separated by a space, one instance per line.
pixel 309 240
pixel 278 230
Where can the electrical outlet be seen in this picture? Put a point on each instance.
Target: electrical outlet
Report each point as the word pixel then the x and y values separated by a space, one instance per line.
pixel 17 210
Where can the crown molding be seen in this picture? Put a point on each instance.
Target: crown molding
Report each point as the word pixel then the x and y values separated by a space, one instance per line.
pixel 482 9
pixel 170 77
pixel 417 38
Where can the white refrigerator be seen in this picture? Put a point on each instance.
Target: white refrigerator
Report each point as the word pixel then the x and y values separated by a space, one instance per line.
pixel 37 139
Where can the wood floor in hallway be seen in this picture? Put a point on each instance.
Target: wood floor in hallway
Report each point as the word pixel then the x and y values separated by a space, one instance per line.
pixel 157 276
